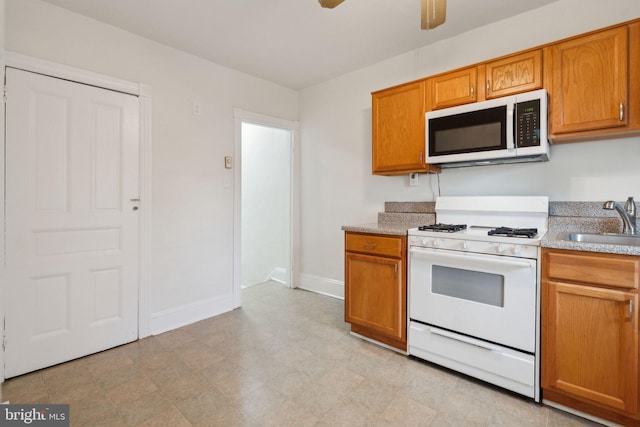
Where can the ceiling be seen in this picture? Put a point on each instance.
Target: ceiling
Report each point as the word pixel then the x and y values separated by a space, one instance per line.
pixel 294 43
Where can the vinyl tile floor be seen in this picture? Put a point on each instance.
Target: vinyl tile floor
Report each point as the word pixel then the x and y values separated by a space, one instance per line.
pixel 285 358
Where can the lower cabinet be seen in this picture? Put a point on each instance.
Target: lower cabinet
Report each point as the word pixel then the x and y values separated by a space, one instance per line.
pixel 375 287
pixel 590 333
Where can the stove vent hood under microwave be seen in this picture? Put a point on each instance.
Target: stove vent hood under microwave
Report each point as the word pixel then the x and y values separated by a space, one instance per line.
pixel 511 129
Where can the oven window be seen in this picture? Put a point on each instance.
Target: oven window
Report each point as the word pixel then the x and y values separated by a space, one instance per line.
pixel 485 288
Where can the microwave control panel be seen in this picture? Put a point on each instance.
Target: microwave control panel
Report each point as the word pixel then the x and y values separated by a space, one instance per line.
pixel 527 116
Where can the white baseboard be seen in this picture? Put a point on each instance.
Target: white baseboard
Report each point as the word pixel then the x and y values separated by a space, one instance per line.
pixel 279 274
pixel 177 317
pixel 322 285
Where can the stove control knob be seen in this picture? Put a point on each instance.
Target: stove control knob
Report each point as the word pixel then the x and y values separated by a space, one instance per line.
pixel 500 248
pixel 425 242
pixel 515 250
pixel 436 242
pixel 465 245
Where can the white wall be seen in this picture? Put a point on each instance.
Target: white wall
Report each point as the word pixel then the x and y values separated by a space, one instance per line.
pixel 2 180
pixel 335 120
pixel 266 201
pixel 192 243
pixel 191 269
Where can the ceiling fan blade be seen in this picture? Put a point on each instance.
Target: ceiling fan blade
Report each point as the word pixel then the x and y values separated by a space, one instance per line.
pixel 434 13
pixel 330 4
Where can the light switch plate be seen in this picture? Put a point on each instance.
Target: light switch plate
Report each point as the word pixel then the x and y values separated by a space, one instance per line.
pixel 227 162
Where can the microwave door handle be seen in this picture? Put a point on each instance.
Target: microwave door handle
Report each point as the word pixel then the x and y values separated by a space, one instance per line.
pixel 511 126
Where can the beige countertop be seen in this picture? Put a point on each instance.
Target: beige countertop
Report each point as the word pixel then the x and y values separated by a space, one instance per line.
pixel 398 218
pixel 378 228
pixel 552 240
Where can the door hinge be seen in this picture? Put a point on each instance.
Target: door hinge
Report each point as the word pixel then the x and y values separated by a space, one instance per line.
pixel 4 94
pixel 4 334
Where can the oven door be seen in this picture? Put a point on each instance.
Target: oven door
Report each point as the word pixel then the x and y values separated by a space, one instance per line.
pixel 489 297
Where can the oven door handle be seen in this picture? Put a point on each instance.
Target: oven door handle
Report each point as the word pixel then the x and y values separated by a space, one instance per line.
pixel 464 339
pixel 471 259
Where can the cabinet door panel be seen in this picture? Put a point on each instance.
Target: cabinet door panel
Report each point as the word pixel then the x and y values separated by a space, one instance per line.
pixel 589 343
pixel 398 129
pixel 589 82
pixel 375 294
pixel 515 74
pixel 456 88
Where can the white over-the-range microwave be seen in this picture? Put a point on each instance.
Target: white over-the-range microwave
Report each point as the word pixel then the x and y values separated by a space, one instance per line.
pixel 511 129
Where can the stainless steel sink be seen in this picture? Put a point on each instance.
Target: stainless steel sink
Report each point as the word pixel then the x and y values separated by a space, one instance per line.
pixel 605 238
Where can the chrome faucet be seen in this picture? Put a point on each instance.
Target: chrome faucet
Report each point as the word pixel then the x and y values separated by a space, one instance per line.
pixel 628 214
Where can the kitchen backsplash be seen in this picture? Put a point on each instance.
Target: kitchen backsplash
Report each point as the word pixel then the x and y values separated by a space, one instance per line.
pixel 581 216
pixel 412 214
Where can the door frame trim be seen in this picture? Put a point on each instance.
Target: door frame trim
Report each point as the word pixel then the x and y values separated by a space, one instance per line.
pixel 240 116
pixel 144 94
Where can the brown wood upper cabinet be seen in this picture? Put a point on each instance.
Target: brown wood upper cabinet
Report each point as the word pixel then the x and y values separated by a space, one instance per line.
pixel 454 88
pixel 593 81
pixel 506 76
pixel 514 74
pixel 592 84
pixel 398 130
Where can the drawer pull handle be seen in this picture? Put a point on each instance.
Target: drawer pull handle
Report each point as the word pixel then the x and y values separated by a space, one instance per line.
pixel 621 112
pixel 466 340
pixel 370 245
pixel 631 310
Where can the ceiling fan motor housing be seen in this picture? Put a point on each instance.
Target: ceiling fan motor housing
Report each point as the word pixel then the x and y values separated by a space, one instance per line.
pixel 330 4
pixel 434 13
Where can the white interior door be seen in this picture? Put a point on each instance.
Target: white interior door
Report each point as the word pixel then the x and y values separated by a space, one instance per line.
pixel 71 220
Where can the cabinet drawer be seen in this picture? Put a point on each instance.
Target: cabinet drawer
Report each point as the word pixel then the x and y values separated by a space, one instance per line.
pixel 619 271
pixel 375 244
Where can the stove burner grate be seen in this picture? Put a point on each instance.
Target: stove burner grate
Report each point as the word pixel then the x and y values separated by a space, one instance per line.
pixel 513 232
pixel 445 228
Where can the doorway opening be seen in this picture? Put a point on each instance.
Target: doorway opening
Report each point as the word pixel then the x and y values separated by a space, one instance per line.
pixel 265 204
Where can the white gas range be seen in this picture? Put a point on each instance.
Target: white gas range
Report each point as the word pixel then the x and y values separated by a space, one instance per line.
pixel 473 298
